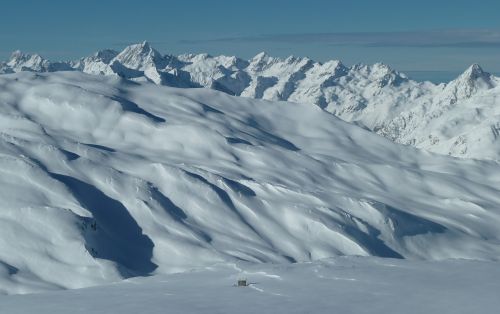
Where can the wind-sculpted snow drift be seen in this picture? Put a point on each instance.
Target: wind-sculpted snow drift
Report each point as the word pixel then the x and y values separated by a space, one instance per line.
pixel 104 178
pixel 460 118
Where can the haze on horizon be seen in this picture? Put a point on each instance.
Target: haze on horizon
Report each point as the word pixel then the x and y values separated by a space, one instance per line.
pixel 429 39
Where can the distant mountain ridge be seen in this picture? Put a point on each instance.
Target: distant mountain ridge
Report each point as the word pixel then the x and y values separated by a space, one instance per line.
pixel 459 118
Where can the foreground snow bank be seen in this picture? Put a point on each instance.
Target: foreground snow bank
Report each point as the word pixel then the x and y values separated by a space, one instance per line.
pixel 342 285
pixel 103 179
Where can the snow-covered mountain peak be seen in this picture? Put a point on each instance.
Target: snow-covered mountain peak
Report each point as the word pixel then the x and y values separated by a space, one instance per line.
pixel 198 57
pixel 332 68
pixel 141 56
pixel 471 81
pixel 377 70
pixel 379 73
pixel 375 96
pixel 232 62
pixel 475 75
pixel 334 64
pixel 20 61
pixel 98 63
pixel 142 48
pixel 261 62
pixel 474 70
pixel 295 60
pixel 105 55
pixel 260 56
pixel 16 55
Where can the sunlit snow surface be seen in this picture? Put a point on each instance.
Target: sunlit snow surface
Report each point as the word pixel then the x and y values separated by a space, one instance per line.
pixel 342 285
pixel 104 179
pixel 460 118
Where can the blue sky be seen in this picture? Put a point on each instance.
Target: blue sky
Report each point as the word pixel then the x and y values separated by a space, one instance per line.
pixel 438 35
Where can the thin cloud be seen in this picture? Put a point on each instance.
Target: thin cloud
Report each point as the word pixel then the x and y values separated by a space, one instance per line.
pixel 457 38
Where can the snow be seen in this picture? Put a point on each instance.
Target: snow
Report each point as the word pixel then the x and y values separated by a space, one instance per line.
pixel 140 57
pixel 105 178
pixel 99 63
pixel 460 121
pixel 340 285
pixel 376 97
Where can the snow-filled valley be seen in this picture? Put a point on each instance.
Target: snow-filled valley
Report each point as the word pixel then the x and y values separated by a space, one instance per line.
pixel 460 118
pixel 103 178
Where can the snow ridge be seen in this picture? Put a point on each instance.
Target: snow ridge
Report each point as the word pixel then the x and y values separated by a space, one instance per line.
pixel 103 179
pixel 375 96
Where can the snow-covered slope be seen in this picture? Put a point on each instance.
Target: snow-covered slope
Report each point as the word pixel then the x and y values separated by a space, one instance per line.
pixel 459 118
pixel 104 178
pixel 340 285
pixel 462 120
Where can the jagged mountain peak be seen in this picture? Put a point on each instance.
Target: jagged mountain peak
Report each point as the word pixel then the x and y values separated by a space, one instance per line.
pixel 18 56
pixel 380 73
pixel 376 68
pixel 471 81
pixel 233 61
pixel 373 95
pixel 475 73
pixel 200 57
pixel 334 67
pixel 294 59
pixel 474 69
pixel 105 55
pixel 334 63
pixel 141 56
pixel 145 44
pixel 260 62
pixel 264 57
pixel 20 61
pixel 140 48
pixel 260 56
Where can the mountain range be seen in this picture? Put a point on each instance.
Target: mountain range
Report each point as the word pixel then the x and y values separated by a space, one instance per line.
pixel 460 118
pixel 104 178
